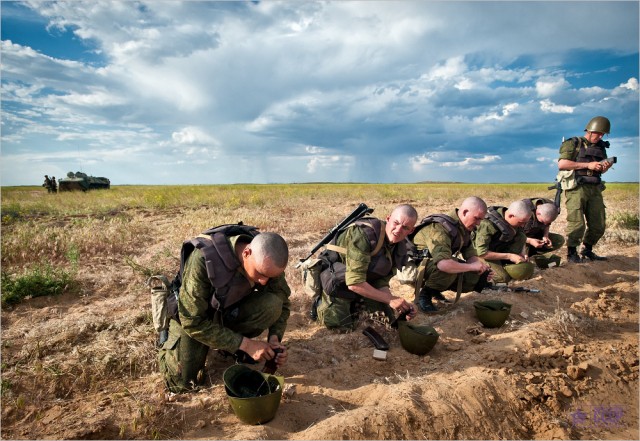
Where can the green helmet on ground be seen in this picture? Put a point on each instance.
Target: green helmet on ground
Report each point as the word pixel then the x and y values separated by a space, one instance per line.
pixel 254 396
pixel 417 339
pixel 492 313
pixel 520 271
pixel 598 124
pixel 544 261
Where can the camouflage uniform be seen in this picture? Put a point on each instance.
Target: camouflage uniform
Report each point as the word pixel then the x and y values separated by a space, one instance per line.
pixel 435 238
pixel 340 313
pixel 584 202
pixel 486 238
pixel 182 357
pixel 535 230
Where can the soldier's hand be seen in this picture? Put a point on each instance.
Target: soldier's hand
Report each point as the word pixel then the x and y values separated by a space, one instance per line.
pixel 258 350
pixel 517 258
pixel 280 351
pixel 400 305
pixel 537 243
pixel 595 166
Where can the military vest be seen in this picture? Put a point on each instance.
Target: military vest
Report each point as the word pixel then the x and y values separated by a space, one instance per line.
pixel 451 226
pixel 221 263
pixel 507 232
pixel 534 228
pixel 594 152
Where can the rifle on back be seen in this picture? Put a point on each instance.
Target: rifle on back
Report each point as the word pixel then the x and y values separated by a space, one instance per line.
pixel 360 211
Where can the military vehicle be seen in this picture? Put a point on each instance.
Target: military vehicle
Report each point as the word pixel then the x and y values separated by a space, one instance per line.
pixel 83 182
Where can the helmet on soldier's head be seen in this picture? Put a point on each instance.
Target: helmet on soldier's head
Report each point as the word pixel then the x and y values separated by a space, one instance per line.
pixel 598 124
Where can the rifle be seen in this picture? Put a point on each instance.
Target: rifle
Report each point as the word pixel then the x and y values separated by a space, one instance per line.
pixel 360 211
pixel 556 199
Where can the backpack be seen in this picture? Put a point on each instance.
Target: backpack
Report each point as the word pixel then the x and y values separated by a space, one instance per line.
pixel 221 263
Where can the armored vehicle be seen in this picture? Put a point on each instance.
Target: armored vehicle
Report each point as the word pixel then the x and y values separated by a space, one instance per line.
pixel 83 182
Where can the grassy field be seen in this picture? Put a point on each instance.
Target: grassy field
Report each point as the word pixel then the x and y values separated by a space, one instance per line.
pixel 78 361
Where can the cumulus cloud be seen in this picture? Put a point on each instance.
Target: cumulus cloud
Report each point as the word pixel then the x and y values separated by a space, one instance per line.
pixel 332 84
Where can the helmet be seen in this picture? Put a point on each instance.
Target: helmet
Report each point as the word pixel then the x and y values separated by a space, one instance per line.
pixel 417 339
pixel 598 124
pixel 520 271
pixel 254 396
pixel 492 313
pixel 544 261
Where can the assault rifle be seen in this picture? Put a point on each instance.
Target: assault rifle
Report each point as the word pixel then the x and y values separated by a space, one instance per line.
pixel 556 199
pixel 360 211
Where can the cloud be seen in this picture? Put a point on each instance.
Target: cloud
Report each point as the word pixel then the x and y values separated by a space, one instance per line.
pixel 550 107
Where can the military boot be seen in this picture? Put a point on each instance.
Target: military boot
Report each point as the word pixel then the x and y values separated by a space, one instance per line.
pixel 425 299
pixel 587 253
pixel 483 282
pixel 572 255
pixel 313 313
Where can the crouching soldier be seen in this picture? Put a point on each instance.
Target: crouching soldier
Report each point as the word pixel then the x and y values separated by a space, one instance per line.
pixel 443 238
pixel 499 238
pixel 541 242
pixel 233 289
pixel 363 259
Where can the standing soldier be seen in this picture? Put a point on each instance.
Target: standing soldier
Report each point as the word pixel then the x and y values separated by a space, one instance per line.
pixel 47 183
pixel 54 185
pixel 582 162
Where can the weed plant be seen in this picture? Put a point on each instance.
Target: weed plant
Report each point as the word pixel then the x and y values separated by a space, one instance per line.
pixel 42 280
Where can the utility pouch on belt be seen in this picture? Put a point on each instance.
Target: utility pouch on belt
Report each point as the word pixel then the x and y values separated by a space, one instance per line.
pixel 567 179
pixel 310 270
pixel 159 285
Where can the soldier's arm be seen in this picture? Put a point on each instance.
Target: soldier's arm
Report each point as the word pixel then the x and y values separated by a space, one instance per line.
pixel 280 288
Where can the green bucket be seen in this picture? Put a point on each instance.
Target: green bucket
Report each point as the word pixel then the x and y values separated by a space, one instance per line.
pixel 254 396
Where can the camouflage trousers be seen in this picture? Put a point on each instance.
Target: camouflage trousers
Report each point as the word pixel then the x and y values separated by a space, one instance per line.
pixel 586 218
pixel 182 359
pixel 342 314
pixel 500 275
pixel 441 281
pixel 542 256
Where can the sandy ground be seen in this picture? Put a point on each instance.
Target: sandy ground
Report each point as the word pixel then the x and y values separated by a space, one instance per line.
pixel 564 366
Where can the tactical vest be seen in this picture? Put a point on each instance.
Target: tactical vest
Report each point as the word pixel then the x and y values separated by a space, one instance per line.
pixel 507 232
pixel 533 228
pixel 221 263
pixel 381 263
pixel 594 152
pixel 450 225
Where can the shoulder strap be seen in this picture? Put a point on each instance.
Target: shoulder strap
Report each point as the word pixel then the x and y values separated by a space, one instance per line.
pixel 506 230
pixel 374 234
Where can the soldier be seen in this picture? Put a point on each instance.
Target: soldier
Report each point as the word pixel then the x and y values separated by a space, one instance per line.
pixel 541 242
pixel 444 237
pixel 233 289
pixel 47 183
pixel 584 160
pixel 499 238
pixel 54 185
pixel 363 258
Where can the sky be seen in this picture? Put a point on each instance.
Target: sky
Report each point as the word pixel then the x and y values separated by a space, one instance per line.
pixel 202 92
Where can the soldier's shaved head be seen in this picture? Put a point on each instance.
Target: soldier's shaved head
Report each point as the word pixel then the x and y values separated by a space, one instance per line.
pixel 518 213
pixel 471 212
pixel 271 247
pixel 546 213
pixel 405 210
